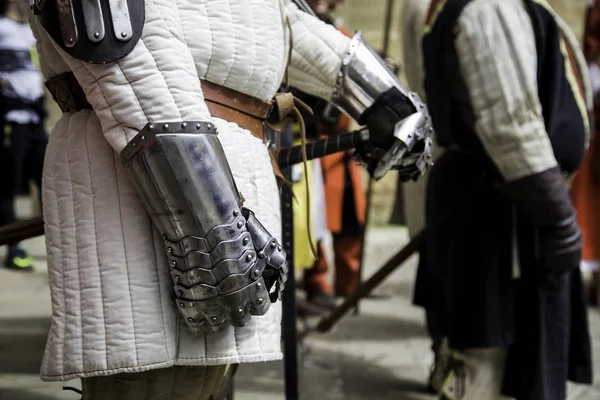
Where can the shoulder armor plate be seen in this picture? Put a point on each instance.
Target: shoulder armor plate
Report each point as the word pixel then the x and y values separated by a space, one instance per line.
pixel 96 31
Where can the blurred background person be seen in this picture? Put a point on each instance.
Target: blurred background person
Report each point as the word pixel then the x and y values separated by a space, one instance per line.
pixel 585 189
pixel 22 116
pixel 508 93
pixel 427 288
pixel 344 194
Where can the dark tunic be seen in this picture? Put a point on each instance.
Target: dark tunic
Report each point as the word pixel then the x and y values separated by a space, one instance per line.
pixel 466 272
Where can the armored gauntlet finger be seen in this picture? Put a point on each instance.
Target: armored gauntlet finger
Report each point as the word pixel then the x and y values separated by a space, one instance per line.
pixel 222 260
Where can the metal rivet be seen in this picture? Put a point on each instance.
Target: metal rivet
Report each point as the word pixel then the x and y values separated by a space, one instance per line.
pixel 169 250
pixel 279 248
pixel 164 237
pixel 240 224
pixel 260 300
pixel 180 292
pixel 421 105
pixel 213 319
pixel 166 127
pixel 273 244
pixel 240 311
pixel 190 320
pixel 96 35
pixel 261 254
pixel 245 241
pixel 151 126
pixel 123 34
pixel 181 305
pixel 183 125
pixel 249 257
pixel 70 40
pixel 236 213
pixel 209 126
pixel 430 129
pixel 259 285
pixel 177 278
pixel 198 126
pixel 173 263
pixel 257 271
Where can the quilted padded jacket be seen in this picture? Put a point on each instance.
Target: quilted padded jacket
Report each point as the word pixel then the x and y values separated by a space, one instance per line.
pixel 110 284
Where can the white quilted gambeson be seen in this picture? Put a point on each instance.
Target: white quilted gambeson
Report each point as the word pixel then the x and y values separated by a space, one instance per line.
pixel 112 310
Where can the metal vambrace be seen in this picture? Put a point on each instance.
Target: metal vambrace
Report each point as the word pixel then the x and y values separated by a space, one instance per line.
pixel 364 81
pixel 223 262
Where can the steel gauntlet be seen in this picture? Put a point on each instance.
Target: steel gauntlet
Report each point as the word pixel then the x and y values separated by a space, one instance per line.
pixel 223 262
pixel 399 125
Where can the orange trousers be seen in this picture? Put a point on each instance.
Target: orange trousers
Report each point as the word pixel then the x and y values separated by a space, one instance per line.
pixel 347 260
pixel 585 193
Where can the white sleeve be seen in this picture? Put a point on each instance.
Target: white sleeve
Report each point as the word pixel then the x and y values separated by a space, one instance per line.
pixel 497 57
pixel 317 52
pixel 157 81
pixel 413 21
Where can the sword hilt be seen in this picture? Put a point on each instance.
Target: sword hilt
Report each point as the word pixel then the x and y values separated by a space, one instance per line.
pixel 322 147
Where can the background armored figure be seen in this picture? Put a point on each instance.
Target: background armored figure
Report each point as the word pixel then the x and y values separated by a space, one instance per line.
pixel 162 236
pixel 509 96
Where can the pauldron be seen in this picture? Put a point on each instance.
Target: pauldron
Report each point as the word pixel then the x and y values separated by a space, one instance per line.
pixel 96 31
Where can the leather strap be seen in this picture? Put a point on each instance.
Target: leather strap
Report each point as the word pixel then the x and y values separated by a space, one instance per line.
pixel 67 93
pixel 233 99
pixel 245 121
pixel 246 111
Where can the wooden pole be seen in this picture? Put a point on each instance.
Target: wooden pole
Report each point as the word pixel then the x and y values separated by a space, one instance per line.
pixel 21 230
pixel 365 288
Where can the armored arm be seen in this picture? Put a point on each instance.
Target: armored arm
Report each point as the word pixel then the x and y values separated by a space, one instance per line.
pixel 222 260
pixel 350 74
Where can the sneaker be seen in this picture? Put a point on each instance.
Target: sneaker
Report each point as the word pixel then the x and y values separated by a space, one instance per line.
pixel 18 259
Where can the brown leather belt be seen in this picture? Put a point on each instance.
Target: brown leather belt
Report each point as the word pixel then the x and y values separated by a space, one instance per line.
pixel 246 111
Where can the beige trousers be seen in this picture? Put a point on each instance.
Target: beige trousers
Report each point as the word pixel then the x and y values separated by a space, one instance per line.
pixel 175 383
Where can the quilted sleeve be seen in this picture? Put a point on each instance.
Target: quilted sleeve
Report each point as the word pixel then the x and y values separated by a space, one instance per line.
pixel 157 81
pixel 317 51
pixel 496 53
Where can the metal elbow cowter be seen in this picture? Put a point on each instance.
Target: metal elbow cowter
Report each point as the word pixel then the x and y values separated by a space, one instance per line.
pixel 398 121
pixel 224 264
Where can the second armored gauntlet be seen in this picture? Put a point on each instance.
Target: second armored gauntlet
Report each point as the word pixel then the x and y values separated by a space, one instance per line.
pixel 398 121
pixel 223 262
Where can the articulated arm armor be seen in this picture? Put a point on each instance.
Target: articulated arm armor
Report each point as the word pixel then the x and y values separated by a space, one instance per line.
pixel 398 121
pixel 223 261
